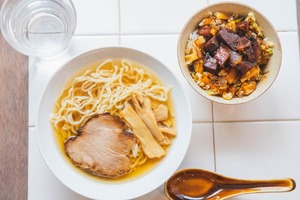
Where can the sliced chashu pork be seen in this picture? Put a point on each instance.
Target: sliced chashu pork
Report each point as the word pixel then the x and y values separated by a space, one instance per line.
pixel 102 146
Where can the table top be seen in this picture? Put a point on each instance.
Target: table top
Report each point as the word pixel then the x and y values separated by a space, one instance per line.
pixel 256 140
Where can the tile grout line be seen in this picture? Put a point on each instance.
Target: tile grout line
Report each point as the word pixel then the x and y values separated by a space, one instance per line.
pixel 298 20
pixel 245 121
pixel 125 34
pixel 119 18
pixel 259 121
pixel 96 35
pixel 151 34
pixel 214 138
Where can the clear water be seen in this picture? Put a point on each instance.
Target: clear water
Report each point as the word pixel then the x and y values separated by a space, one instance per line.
pixel 44 31
pixel 40 27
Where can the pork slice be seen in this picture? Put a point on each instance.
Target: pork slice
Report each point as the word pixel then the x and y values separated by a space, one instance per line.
pixel 253 53
pixel 242 28
pixel 234 59
pixel 244 66
pixel 102 146
pixel 243 43
pixel 228 37
pixel 205 31
pixel 222 55
pixel 210 64
pixel 257 51
pixel 212 44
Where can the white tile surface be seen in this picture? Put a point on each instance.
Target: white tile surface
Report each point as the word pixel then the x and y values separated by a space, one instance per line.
pixel 41 71
pixel 201 150
pixel 164 48
pixel 42 184
pixel 97 17
pixel 263 146
pixel 82 44
pixel 282 100
pixel 259 150
pixel 282 14
pixel 156 16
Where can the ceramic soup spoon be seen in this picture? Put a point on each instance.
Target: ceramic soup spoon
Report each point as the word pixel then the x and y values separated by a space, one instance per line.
pixel 198 184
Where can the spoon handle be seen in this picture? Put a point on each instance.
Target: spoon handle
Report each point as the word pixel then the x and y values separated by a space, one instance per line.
pixel 260 186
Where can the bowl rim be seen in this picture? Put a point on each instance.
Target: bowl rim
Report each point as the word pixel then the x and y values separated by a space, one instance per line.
pixel 202 92
pixel 162 170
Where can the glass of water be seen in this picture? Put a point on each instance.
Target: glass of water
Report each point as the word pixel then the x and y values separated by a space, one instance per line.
pixel 39 28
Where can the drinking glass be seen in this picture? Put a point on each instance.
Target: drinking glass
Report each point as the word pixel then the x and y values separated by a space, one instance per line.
pixel 39 28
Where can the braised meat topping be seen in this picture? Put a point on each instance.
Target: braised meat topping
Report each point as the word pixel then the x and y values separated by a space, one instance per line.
pixel 225 46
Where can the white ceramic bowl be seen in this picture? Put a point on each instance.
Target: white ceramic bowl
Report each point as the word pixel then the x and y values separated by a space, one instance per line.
pixel 93 188
pixel 269 31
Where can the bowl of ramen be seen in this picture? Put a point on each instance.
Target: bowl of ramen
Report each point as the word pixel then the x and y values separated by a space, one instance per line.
pixel 229 53
pixel 113 123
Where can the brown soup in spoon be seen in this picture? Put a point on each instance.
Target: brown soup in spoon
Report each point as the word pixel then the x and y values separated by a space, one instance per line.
pixel 200 184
